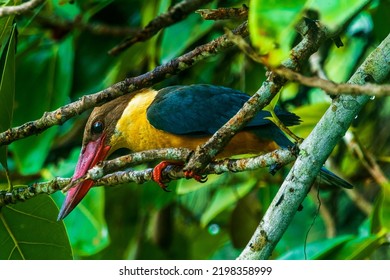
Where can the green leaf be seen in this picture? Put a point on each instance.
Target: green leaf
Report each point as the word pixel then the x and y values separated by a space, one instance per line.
pixel 380 216
pixel 333 14
pixel 6 28
pixel 41 88
pixel 385 211
pixel 310 115
pixel 67 11
pixel 202 244
pixel 272 23
pixel 92 77
pixel 322 249
pixel 225 197
pixel 364 229
pixel 271 106
pixel 358 248
pixel 307 226
pixel 29 230
pixel 381 18
pixel 198 243
pixel 180 36
pixel 7 85
pixel 376 215
pixel 188 186
pixel 341 62
pixel 153 198
pixel 244 220
pixel 86 225
pixel 318 250
pixel 271 26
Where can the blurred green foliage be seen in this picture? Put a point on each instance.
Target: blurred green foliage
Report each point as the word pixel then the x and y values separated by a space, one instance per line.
pixel 7 82
pixel 57 63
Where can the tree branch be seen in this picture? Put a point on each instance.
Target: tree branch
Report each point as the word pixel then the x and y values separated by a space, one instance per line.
pixel 94 28
pixel 20 9
pixel 368 160
pixel 278 157
pixel 318 82
pixel 313 153
pixel 224 13
pixel 175 14
pixel 332 87
pixel 175 66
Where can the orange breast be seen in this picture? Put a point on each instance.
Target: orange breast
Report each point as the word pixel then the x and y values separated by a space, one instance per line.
pixel 246 142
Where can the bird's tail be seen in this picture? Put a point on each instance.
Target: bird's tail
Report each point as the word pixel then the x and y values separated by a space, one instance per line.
pixel 325 176
pixel 332 179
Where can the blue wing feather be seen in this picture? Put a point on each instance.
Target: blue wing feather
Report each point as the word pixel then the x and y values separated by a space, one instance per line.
pixel 203 109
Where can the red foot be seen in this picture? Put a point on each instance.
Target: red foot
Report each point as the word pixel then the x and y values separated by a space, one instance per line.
pixel 157 173
pixel 158 178
pixel 191 174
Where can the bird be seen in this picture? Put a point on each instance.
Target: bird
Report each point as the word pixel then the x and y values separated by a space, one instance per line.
pixel 182 116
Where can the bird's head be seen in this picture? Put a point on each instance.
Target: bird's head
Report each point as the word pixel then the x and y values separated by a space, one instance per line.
pixel 100 139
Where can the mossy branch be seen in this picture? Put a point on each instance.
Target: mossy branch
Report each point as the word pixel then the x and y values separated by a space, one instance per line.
pixel 20 9
pixel 173 67
pixel 314 150
pixel 107 174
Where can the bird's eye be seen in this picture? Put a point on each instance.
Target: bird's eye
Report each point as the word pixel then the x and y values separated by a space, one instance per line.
pixel 97 127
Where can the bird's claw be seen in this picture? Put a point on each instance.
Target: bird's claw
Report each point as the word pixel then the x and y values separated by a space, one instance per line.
pixel 191 174
pixel 157 175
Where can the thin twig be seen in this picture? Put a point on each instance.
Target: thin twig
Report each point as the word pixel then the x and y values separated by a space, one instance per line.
pixel 318 82
pixel 332 87
pixel 368 160
pixel 175 66
pixel 20 9
pixel 94 28
pixel 360 201
pixel 173 15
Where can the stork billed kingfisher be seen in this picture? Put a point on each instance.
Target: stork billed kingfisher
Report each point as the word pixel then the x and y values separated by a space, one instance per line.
pixel 176 116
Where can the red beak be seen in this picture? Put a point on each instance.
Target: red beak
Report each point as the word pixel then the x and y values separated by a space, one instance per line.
pixel 90 155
